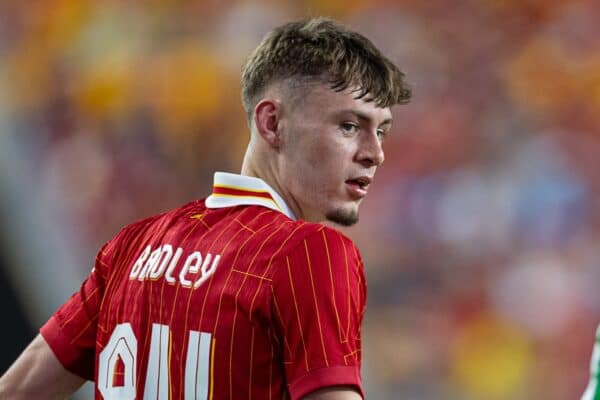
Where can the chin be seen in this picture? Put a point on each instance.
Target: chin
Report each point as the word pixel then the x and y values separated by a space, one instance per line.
pixel 343 217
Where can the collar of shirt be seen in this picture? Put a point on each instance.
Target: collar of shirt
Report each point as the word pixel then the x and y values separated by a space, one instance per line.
pixel 231 190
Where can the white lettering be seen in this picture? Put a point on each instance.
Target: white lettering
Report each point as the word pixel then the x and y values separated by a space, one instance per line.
pixel 192 266
pixel 139 263
pixel 206 273
pixel 165 257
pixel 169 276
pixel 150 263
pixel 162 262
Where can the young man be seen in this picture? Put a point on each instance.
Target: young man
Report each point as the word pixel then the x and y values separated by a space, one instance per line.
pixel 242 295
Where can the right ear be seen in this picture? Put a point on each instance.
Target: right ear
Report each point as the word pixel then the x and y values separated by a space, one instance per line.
pixel 267 115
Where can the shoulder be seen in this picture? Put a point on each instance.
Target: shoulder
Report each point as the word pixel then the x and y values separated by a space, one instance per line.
pixel 296 232
pixel 186 210
pixel 322 236
pixel 318 245
pixel 138 228
pixel 320 263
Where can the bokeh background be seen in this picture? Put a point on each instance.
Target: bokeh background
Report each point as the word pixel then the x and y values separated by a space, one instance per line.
pixel 481 235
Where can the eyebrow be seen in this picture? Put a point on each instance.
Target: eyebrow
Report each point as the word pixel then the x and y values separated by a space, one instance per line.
pixel 362 116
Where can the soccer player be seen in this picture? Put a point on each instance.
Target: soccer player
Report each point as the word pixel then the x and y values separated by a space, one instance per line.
pixel 592 392
pixel 242 295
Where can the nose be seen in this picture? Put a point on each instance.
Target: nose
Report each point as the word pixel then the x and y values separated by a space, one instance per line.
pixel 370 150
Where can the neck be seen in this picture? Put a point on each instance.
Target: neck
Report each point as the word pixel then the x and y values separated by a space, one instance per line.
pixel 266 172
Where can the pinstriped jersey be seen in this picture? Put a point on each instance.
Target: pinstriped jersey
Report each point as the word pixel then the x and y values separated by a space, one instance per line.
pixel 223 298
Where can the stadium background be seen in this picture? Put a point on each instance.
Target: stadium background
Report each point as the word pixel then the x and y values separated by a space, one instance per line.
pixel 481 236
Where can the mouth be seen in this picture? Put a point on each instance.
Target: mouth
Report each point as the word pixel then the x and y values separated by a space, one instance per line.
pixel 358 186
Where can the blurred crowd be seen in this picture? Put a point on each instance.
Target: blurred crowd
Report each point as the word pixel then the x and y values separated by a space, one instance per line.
pixel 481 235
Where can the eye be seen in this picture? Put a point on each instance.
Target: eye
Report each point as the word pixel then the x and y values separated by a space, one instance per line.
pixel 349 127
pixel 381 134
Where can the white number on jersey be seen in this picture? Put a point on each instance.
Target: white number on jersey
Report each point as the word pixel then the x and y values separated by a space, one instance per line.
pixel 123 345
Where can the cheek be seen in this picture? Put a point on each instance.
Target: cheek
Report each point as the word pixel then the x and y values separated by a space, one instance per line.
pixel 325 151
pixel 307 156
pixel 310 173
pixel 317 156
pixel 314 159
pixel 321 168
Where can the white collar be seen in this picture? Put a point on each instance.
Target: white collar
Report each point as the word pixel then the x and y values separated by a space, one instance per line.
pixel 231 190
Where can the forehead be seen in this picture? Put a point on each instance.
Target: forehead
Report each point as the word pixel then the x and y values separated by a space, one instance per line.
pixel 321 99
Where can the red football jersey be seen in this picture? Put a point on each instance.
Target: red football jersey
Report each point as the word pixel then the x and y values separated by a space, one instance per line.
pixel 227 298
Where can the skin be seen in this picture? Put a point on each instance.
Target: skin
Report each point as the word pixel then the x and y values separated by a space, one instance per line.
pixel 330 137
pixel 334 393
pixel 307 151
pixel 37 374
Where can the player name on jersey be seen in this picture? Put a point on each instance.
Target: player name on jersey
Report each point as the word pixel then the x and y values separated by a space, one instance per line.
pixel 163 262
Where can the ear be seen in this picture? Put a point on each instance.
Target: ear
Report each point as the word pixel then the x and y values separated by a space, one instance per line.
pixel 267 115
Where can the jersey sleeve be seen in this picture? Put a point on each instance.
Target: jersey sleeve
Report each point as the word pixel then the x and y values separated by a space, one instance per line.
pixel 71 330
pixel 318 302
